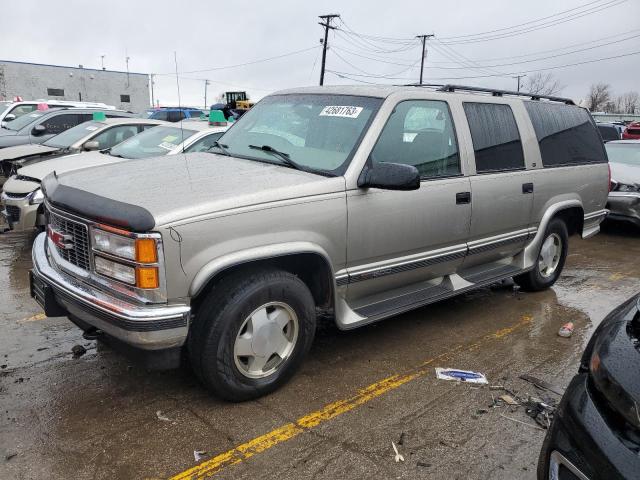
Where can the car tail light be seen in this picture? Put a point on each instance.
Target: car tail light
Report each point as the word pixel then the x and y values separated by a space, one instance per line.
pixel 609 182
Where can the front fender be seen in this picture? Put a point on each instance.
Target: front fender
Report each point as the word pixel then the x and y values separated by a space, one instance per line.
pixel 219 264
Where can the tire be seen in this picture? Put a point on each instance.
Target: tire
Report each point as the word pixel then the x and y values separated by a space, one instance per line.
pixel 543 276
pixel 245 314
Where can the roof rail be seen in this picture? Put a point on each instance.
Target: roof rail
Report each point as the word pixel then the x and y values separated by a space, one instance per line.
pixel 500 93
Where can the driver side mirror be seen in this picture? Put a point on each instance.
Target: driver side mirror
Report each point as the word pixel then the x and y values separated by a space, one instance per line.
pixel 91 145
pixel 9 117
pixel 390 176
pixel 38 130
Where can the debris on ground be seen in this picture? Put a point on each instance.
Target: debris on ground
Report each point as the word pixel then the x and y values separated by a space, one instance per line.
pixel 448 443
pixel 508 399
pixel 198 455
pixel 10 455
pixel 398 457
pixel 401 440
pixel 542 384
pixel 162 417
pixel 423 464
pixel 78 351
pixel 460 375
pixel 566 330
pixel 522 423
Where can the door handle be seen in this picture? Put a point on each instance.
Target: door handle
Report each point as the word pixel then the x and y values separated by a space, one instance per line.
pixel 527 188
pixel 463 197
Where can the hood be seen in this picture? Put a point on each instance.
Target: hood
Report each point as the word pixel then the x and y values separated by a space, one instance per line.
pixel 620 173
pixel 22 151
pixel 67 163
pixel 144 193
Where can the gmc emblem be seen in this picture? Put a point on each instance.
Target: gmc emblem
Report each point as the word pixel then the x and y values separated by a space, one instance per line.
pixel 60 239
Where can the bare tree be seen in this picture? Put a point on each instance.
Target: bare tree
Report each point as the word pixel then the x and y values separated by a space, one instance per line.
pixel 599 96
pixel 629 102
pixel 543 84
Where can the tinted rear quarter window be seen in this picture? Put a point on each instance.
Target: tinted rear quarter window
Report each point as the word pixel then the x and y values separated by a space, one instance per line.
pixel 496 139
pixel 566 134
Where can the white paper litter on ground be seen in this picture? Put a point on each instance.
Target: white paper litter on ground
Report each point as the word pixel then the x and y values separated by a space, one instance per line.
pixel 460 375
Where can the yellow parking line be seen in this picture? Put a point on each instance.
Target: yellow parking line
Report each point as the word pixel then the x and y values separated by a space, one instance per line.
pixel 34 318
pixel 332 410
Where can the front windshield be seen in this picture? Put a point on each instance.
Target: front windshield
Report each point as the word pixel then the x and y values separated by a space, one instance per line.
pixel 71 136
pixel 626 153
pixel 153 142
pixel 3 107
pixel 317 132
pixel 24 120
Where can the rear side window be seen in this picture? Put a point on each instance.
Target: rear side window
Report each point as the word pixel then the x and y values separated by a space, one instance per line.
pixel 195 113
pixel 60 123
pixel 566 134
pixel 420 133
pixel 496 139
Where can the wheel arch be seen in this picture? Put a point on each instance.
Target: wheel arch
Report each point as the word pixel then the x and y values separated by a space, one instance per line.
pixel 570 211
pixel 307 261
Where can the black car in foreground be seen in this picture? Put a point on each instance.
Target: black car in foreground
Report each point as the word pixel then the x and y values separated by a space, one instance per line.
pixel 595 433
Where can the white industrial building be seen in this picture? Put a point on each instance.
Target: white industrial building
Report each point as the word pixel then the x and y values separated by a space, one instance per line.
pixel 32 81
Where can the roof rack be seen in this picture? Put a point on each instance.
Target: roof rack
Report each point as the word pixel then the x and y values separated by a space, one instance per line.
pixel 500 93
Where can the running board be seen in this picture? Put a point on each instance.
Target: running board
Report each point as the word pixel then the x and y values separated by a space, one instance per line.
pixel 451 286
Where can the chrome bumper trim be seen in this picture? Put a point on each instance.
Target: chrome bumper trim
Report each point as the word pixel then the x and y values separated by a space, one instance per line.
pixel 147 326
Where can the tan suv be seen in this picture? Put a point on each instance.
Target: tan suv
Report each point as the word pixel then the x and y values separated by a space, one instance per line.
pixel 355 202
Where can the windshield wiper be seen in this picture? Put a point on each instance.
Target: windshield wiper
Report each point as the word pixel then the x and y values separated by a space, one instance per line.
pixel 286 158
pixel 220 146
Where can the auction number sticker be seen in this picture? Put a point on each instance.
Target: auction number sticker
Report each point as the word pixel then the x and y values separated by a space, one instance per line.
pixel 167 145
pixel 340 111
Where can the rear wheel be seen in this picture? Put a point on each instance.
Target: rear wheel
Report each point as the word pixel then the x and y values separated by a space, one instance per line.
pixel 251 334
pixel 550 261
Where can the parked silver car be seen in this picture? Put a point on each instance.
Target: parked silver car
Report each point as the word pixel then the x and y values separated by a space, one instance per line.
pixel 355 202
pixel 624 198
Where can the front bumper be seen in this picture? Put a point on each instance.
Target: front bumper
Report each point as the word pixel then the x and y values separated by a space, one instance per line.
pixel 624 206
pixel 581 441
pixel 146 327
pixel 19 214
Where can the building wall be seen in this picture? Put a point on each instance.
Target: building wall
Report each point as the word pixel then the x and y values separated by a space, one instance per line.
pixel 31 81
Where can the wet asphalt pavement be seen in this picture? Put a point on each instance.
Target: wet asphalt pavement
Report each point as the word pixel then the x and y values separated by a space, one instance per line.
pixel 96 417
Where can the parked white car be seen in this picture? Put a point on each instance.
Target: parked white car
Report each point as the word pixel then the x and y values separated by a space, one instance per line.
pixel 21 199
pixel 11 110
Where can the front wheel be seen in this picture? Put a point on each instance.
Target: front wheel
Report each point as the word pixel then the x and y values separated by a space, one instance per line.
pixel 251 334
pixel 551 258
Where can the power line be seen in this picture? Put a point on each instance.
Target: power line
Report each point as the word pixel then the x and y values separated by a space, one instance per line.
pixel 521 24
pixel 612 3
pixel 547 57
pixel 556 67
pixel 226 67
pixel 390 75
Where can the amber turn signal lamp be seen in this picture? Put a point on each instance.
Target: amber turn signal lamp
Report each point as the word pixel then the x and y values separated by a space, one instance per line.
pixel 146 251
pixel 147 277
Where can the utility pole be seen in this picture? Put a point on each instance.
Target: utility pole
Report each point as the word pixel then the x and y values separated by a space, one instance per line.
pixel 153 100
pixel 327 26
pixel 424 52
pixel 102 60
pixel 127 58
pixel 206 83
pixel 519 77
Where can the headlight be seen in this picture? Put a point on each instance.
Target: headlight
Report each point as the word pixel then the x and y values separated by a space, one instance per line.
pixel 116 270
pixel 114 244
pixel 37 197
pixel 137 255
pixel 141 250
pixel 623 187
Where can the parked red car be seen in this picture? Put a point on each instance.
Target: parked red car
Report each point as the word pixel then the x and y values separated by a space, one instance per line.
pixel 632 132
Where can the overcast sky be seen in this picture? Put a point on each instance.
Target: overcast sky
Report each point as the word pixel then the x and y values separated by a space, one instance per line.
pixel 208 35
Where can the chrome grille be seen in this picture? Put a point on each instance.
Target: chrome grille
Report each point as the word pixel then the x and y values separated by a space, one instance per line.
pixel 14 213
pixel 78 255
